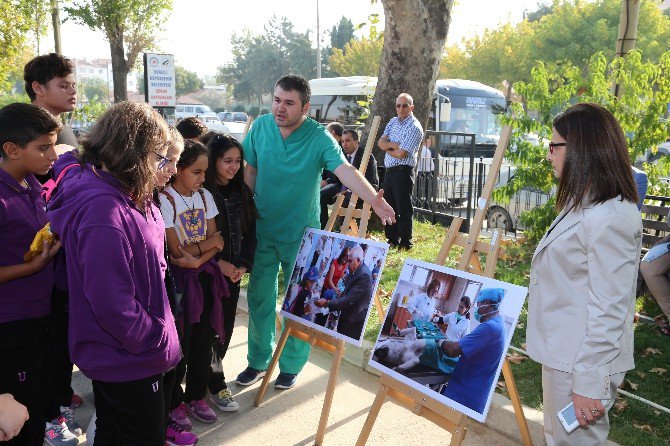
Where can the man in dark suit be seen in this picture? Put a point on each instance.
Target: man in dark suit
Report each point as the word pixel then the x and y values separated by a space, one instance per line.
pixel 354 301
pixel 354 153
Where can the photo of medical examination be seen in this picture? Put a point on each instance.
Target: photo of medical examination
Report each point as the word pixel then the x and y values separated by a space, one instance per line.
pixel 333 281
pixel 446 333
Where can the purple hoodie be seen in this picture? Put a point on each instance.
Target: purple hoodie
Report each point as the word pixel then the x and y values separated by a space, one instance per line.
pixel 121 327
pixel 21 216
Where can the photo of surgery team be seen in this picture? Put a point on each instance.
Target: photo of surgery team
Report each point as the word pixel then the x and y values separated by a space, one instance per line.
pixel 333 281
pixel 446 333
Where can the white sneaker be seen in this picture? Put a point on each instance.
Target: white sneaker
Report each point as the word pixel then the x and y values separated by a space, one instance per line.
pixel 224 401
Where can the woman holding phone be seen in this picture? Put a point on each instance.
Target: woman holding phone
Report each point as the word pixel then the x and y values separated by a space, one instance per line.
pixel 583 275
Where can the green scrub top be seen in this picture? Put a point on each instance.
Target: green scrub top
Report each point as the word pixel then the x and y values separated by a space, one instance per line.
pixel 289 175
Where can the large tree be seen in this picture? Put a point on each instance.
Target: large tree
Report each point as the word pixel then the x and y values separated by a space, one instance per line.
pixel 341 33
pixel 358 57
pixel 130 27
pixel 259 60
pixel 414 35
pixel 187 81
pixel 567 32
pixel 17 18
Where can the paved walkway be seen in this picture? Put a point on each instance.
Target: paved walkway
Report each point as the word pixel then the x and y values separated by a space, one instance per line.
pixel 291 417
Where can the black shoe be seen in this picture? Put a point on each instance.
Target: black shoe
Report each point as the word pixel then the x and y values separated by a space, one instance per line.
pixel 404 246
pixel 393 244
pixel 285 381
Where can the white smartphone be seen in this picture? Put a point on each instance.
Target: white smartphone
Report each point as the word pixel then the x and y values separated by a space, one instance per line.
pixel 567 416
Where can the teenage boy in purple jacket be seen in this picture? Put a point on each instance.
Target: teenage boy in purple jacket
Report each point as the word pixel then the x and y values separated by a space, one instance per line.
pixel 27 137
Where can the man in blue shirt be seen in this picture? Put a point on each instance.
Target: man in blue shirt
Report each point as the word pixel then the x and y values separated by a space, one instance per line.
pixel 480 353
pixel 400 142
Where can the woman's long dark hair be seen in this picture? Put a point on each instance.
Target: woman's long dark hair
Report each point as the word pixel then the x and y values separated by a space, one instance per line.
pixel 342 258
pixel 217 146
pixel 597 167
pixel 466 301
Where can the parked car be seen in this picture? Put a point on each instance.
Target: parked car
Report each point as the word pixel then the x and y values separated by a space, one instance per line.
pixel 506 215
pixel 236 129
pixel 233 116
pixel 214 123
pixel 200 111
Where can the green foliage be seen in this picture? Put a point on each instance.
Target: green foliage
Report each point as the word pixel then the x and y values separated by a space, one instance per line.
pixel 569 32
pixel 360 57
pixel 341 33
pixel 17 19
pixel 6 99
pixel 187 81
pixel 259 60
pixel 94 88
pixel 264 111
pixel 640 110
pixel 239 108
pixel 254 111
pixel 90 112
pixel 129 25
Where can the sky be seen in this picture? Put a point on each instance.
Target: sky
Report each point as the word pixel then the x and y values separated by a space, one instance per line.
pixel 199 32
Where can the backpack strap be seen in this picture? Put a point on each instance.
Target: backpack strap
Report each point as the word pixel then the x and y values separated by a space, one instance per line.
pixel 50 186
pixel 170 198
pixel 204 202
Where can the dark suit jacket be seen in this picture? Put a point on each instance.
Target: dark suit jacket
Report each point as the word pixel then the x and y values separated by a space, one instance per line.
pixel 371 171
pixel 354 302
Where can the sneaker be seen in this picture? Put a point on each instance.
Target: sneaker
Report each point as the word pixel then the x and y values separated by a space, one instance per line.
pixel 224 401
pixel 67 417
pixel 199 410
pixel 178 415
pixel 76 401
pixel 59 435
pixel 177 436
pixel 285 381
pixel 249 376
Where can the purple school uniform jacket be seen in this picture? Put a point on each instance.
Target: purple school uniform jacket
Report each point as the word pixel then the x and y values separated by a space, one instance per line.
pixel 121 327
pixel 21 216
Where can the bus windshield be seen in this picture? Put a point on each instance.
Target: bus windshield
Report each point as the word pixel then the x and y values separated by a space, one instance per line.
pixel 483 122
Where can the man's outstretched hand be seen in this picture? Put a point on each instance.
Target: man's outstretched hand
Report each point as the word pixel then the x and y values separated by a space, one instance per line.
pixel 383 209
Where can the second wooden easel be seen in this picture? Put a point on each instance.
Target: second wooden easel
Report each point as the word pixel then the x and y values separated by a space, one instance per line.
pixel 314 337
pixel 419 403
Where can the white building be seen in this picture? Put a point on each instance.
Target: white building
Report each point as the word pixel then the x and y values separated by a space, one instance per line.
pixel 102 69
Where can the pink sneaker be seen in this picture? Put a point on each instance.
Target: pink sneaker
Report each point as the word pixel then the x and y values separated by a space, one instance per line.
pixel 178 415
pixel 199 410
pixel 177 436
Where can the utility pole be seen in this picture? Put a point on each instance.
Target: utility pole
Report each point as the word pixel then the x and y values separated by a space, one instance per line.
pixel 630 10
pixel 318 43
pixel 56 24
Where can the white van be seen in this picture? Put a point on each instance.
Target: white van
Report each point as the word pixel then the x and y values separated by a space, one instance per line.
pixel 201 111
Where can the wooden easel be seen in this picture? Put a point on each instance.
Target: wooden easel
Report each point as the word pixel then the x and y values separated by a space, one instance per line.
pixel 419 403
pixel 310 335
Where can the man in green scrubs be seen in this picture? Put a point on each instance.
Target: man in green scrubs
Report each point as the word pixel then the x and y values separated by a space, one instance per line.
pixel 285 154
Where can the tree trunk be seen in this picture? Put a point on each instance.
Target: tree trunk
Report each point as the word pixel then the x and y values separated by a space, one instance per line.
pixel 414 36
pixel 119 68
pixel 415 32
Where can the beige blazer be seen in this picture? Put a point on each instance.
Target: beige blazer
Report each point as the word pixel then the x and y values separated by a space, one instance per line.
pixel 581 299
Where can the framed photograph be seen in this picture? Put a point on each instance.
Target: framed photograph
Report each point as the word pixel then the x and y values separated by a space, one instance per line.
pixel 446 334
pixel 333 282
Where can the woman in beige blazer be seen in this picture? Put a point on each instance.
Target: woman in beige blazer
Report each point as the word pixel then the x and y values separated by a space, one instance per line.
pixel 583 275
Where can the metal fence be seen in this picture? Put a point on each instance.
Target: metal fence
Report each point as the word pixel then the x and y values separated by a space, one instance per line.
pixel 451 176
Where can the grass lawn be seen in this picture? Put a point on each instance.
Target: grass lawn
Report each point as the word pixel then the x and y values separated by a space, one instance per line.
pixel 632 422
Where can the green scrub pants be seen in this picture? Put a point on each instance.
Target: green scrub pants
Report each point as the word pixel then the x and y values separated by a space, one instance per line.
pixel 262 298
